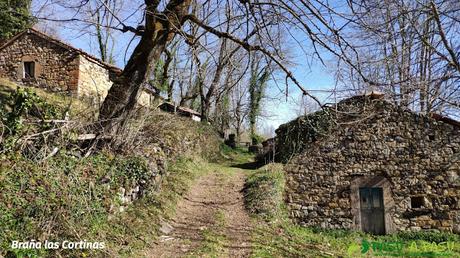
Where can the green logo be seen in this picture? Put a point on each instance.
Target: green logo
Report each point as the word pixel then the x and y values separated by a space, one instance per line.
pixel 402 249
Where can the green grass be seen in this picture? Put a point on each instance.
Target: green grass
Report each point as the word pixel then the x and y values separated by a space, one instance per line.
pixel 230 156
pixel 264 191
pixel 275 235
pixel 144 216
pixel 77 108
pixel 67 197
pixel 214 238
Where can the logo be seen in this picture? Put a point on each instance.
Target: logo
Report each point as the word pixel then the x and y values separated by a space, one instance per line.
pixel 402 249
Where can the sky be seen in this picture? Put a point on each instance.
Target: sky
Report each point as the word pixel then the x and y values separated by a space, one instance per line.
pixel 278 108
pixel 282 110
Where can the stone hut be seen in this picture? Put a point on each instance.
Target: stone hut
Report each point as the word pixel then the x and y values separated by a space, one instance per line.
pixel 182 111
pixel 379 169
pixel 32 58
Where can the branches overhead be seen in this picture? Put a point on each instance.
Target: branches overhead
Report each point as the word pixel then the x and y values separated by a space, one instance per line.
pixel 407 48
pixel 410 49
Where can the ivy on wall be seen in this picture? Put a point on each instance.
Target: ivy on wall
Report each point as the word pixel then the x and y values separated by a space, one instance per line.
pixel 292 138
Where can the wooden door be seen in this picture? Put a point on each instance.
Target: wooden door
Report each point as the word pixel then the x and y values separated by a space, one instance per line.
pixel 372 210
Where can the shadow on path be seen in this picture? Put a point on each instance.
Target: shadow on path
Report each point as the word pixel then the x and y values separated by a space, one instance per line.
pixel 249 165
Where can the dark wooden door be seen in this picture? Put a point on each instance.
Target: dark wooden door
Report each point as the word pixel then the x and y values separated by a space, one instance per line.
pixel 372 210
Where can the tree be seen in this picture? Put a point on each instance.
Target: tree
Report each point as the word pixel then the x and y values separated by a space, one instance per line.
pixel 159 31
pixel 257 84
pixel 239 109
pixel 104 13
pixel 250 26
pixel 409 50
pixel 14 17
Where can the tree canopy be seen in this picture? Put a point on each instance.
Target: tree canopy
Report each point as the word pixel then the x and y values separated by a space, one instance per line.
pixel 14 17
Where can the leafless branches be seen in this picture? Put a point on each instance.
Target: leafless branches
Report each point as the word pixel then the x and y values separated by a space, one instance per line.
pixel 407 49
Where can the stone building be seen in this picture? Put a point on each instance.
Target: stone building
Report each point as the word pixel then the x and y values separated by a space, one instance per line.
pixel 33 58
pixel 379 169
pixel 182 111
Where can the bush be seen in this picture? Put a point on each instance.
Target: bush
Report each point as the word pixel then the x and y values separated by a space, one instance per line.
pixel 257 139
pixel 67 197
pixel 264 191
pixel 294 137
pixel 22 103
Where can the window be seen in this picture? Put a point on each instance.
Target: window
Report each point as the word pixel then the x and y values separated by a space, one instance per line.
pixel 417 202
pixel 29 70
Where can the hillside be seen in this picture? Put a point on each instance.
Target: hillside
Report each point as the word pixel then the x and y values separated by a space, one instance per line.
pixel 54 189
pixel 163 187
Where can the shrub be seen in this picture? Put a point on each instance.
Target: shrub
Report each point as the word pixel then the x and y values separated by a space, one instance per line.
pixel 22 103
pixel 293 137
pixel 257 139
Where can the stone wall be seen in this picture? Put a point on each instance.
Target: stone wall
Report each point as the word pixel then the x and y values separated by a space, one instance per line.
pixel 412 157
pixel 145 99
pixel 163 143
pixel 56 67
pixel 94 81
pixel 59 67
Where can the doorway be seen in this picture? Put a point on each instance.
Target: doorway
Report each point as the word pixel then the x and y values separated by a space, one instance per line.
pixel 372 210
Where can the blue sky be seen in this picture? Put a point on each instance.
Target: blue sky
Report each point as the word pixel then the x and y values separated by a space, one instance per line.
pixel 312 74
pixel 278 110
pixel 282 110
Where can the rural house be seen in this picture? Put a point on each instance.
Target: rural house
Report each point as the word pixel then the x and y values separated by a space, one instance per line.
pixel 33 58
pixel 376 168
pixel 182 111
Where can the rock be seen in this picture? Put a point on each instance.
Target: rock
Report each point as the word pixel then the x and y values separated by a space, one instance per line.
pixel 165 228
pixel 165 238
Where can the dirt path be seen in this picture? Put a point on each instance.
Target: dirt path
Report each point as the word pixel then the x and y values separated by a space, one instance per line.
pixel 210 220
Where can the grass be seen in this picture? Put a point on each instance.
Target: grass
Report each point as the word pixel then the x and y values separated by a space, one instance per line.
pixel 230 156
pixel 77 108
pixel 143 218
pixel 275 235
pixel 67 197
pixel 64 199
pixel 214 240
pixel 264 191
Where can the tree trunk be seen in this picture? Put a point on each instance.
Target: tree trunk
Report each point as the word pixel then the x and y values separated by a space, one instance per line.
pixel 160 28
pixel 206 98
pixel 122 96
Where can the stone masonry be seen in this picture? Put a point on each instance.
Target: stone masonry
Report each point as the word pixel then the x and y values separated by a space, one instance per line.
pixel 414 158
pixel 58 67
pixel 55 67
pixel 93 80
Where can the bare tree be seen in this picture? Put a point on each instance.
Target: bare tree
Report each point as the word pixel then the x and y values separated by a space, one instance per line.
pixel 104 12
pixel 163 20
pixel 212 33
pixel 239 109
pixel 409 49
